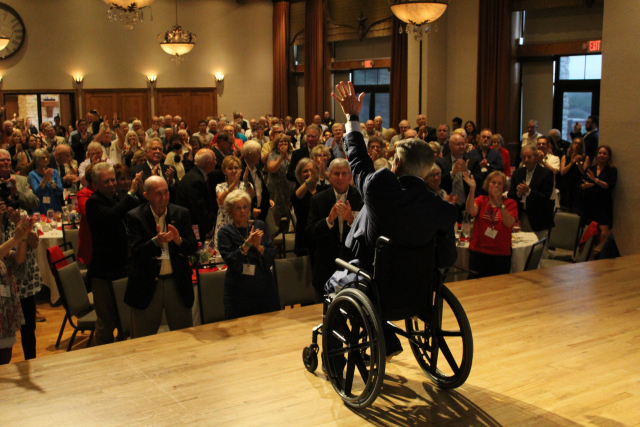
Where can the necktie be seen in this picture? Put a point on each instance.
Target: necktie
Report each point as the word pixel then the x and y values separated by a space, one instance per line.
pixel 458 188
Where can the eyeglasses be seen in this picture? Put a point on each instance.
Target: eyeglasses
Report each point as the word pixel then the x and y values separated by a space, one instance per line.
pixel 435 175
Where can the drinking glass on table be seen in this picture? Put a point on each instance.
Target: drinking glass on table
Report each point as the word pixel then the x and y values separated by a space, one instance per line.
pixel 466 227
pixel 58 217
pixel 52 217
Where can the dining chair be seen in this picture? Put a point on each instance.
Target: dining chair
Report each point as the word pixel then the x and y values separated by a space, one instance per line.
pixel 294 279
pixel 563 237
pixel 533 260
pixel 211 295
pixel 117 289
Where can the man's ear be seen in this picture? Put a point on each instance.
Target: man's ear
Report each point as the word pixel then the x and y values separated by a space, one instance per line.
pixel 396 165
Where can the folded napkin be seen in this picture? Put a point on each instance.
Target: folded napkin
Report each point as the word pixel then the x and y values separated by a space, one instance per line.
pixel 591 231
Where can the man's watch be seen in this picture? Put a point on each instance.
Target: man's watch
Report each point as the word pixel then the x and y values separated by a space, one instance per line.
pixel 353 118
pixel 502 206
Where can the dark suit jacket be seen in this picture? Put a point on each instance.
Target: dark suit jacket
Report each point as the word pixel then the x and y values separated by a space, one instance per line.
pixel 146 173
pixel 432 133
pixel 79 145
pixel 539 203
pixel 219 158
pixel 193 194
pixel 591 144
pixel 474 167
pixel 108 234
pixel 265 205
pixel 144 270
pixel 402 209
pixel 329 245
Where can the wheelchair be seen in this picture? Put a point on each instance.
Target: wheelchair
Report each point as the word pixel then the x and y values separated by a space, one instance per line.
pixel 405 286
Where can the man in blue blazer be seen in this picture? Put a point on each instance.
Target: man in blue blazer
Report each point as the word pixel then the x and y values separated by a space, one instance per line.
pixel 397 203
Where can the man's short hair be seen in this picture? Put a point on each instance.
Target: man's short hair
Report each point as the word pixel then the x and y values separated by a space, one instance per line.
pixel 314 127
pixel 136 122
pixel 416 155
pixel 202 156
pixel 224 135
pixel 250 146
pixel 528 147
pixel 5 153
pixel 595 119
pixel 457 120
pixel 202 121
pixel 147 146
pixel 543 137
pixel 149 182
pixel 336 124
pixel 374 139
pixel 337 163
pixel 94 145
pixel 101 167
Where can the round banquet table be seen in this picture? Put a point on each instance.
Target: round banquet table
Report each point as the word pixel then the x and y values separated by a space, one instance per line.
pixel 520 248
pixel 47 240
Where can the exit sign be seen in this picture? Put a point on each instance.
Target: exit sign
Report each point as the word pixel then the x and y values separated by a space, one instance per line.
pixel 368 64
pixel 595 45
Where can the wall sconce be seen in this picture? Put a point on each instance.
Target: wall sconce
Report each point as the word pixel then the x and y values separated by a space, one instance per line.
pixel 219 77
pixel 78 79
pixel 0 79
pixel 152 79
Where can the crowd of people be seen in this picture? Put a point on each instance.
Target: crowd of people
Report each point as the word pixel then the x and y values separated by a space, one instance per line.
pixel 149 198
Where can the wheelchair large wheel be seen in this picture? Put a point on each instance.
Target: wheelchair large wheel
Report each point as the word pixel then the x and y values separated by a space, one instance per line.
pixel 449 366
pixel 352 339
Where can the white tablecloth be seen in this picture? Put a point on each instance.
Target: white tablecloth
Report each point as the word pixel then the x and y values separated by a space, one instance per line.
pixel 49 239
pixel 520 253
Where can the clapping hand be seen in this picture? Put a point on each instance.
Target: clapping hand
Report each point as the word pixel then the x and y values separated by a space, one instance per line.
pixel 169 174
pixel 373 154
pixel 136 183
pixel 591 175
pixel 255 237
pixel 172 235
pixel 577 128
pixel 522 189
pixel 460 166
pixel 484 164
pixel 451 198
pixel 469 179
pixel 344 211
pixel 22 229
pixel 495 196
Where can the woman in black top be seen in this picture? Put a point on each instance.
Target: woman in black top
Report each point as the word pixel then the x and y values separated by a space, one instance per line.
pixel 597 191
pixel 572 167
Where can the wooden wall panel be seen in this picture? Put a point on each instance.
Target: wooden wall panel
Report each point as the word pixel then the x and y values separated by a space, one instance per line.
pixel 127 103
pixel 192 104
pixel 135 104
pixel 65 110
pixel 10 106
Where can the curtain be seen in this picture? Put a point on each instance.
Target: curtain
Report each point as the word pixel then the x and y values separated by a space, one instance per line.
pixel 281 59
pixel 399 75
pixel 313 60
pixel 494 66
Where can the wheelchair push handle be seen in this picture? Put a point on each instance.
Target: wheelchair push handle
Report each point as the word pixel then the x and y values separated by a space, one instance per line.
pixel 343 264
pixel 382 241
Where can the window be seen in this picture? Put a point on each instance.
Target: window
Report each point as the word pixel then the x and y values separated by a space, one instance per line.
pixel 375 85
pixel 580 67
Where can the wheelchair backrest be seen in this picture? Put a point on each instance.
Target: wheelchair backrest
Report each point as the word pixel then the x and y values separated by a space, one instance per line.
pixel 404 278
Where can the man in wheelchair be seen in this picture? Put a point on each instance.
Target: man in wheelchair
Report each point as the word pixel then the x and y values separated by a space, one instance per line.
pixel 397 205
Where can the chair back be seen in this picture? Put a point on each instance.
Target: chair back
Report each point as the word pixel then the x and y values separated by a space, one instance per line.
pixel 405 278
pixel 294 279
pixel 211 296
pixel 565 233
pixel 123 319
pixel 533 260
pixel 71 236
pixel 73 289
pixel 584 254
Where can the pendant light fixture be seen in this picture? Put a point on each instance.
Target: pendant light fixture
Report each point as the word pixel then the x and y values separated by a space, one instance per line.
pixel 127 10
pixel 177 42
pixel 418 14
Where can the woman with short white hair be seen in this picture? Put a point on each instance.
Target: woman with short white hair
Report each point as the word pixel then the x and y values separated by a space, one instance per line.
pixel 245 245
pixel 45 183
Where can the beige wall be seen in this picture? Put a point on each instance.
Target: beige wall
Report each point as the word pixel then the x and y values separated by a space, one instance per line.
pixel 537 94
pixel 462 59
pixel 619 110
pixel 84 42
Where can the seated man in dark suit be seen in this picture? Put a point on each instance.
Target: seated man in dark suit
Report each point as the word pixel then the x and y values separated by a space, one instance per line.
pixel 252 175
pixel 154 165
pixel 193 193
pixel 532 186
pixel 397 203
pixel 331 215
pixel 453 166
pixel 161 240
pixel 109 242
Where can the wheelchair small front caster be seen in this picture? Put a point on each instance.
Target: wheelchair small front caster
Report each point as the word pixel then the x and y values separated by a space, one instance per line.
pixel 310 357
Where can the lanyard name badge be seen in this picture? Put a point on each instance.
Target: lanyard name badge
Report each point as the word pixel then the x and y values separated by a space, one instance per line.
pixel 247 269
pixel 492 232
pixel 5 291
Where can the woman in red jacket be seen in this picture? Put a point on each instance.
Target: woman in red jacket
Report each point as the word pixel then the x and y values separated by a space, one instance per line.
pixel 490 247
pixel 84 233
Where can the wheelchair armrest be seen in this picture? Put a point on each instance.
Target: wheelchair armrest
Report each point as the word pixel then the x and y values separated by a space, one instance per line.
pixel 352 268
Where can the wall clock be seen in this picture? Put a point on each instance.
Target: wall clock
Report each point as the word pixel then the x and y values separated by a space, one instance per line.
pixel 11 26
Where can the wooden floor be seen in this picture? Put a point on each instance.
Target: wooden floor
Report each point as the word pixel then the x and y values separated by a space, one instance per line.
pixel 553 347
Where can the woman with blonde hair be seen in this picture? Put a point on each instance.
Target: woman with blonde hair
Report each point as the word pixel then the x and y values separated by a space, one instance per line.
pixel 232 169
pixel 321 155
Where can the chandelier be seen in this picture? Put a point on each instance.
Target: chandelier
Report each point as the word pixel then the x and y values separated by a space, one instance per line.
pixel 177 42
pixel 418 15
pixel 127 10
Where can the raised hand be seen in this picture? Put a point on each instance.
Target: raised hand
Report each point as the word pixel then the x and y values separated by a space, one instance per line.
pixel 469 179
pixel 346 96
pixel 169 174
pixel 136 183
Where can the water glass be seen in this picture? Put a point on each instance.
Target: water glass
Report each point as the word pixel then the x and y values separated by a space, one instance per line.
pixel 466 227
